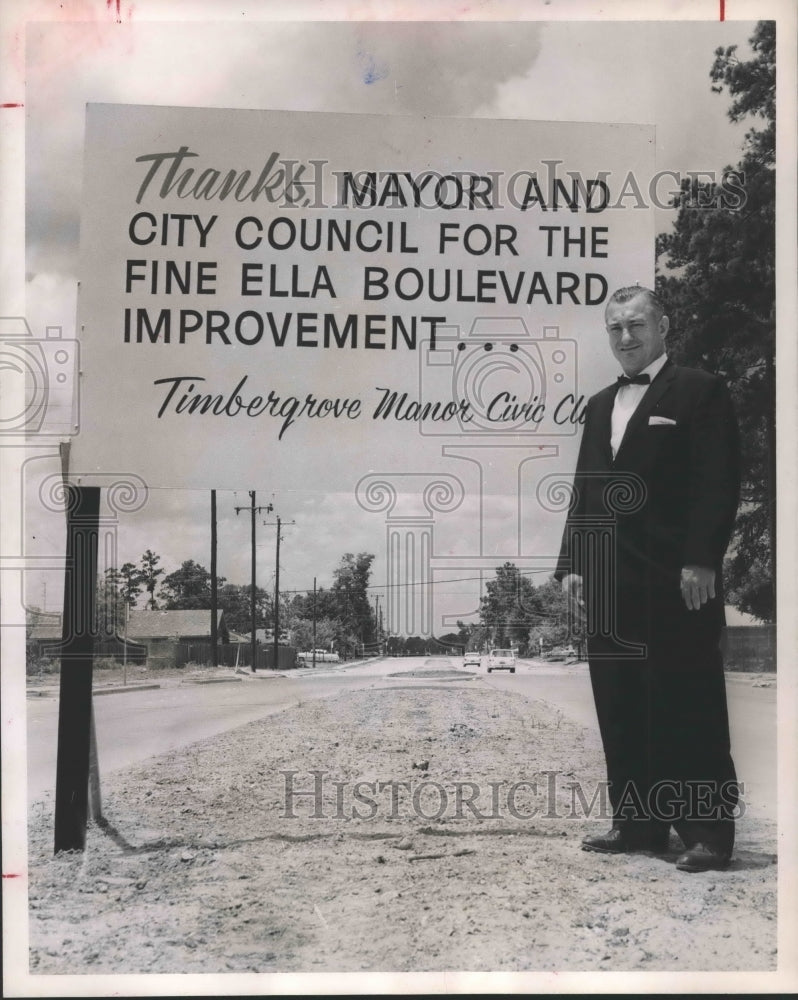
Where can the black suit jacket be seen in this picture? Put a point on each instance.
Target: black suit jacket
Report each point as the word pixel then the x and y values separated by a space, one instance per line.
pixel 667 500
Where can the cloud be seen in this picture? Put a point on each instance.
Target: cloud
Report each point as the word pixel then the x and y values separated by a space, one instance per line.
pixel 444 68
pixel 374 68
pixel 51 301
pixel 568 71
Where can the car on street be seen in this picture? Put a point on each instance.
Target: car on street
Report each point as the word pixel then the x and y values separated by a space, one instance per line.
pixel 472 659
pixel 501 659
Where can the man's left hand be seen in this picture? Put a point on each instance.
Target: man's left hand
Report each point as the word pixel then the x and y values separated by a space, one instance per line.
pixel 697 585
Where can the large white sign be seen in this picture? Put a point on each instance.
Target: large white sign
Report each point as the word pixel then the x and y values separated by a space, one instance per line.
pixel 280 300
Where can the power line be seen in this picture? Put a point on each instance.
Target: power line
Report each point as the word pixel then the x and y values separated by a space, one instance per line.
pixel 422 583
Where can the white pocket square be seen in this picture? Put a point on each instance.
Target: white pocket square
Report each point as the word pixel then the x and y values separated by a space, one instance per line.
pixel 661 422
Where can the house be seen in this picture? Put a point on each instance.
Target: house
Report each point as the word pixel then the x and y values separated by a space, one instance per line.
pixel 748 643
pixel 174 638
pixel 45 639
pixel 44 635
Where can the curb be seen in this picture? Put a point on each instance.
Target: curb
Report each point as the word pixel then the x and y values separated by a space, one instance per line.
pixel 53 692
pixel 125 690
pixel 212 680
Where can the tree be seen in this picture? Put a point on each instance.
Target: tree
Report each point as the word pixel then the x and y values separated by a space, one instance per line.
pixel 188 587
pixel 302 633
pixel 131 580
pixel 509 607
pixel 350 587
pixel 109 604
pixel 117 590
pixel 476 637
pixel 453 641
pixel 395 645
pixel 553 626
pixel 721 301
pixel 415 645
pixel 149 576
pixel 234 600
pixel 342 609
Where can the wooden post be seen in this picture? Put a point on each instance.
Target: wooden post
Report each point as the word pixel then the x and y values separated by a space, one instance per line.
pixel 78 635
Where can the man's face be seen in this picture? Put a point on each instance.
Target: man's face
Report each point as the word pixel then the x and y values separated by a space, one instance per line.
pixel 637 336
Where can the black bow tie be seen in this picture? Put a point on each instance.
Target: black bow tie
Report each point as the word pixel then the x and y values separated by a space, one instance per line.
pixel 634 380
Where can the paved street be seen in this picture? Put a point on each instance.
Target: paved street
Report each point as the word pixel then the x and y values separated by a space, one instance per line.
pixel 134 726
pixel 752 717
pixel 139 724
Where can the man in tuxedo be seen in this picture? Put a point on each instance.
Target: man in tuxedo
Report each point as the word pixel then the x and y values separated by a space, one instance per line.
pixel 655 495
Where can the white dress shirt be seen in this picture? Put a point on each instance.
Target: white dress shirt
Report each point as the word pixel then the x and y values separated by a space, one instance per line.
pixel 627 399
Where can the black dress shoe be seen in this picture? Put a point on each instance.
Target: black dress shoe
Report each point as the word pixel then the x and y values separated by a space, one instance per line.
pixel 617 841
pixel 703 858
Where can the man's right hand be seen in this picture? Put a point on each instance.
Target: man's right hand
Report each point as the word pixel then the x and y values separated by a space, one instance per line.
pixel 572 588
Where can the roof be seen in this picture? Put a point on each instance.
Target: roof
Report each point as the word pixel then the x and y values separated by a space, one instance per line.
pixel 45 625
pixel 40 632
pixel 170 624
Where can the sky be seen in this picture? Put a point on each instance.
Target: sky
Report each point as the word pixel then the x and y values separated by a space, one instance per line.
pixel 640 72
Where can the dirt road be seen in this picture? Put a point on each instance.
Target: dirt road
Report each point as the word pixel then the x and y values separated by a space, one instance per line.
pixel 427 823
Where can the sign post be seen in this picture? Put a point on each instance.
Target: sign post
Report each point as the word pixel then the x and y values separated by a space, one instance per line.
pixel 78 635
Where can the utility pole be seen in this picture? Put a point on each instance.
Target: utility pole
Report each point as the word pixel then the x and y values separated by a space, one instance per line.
pixel 277 599
pixel 314 621
pixel 214 587
pixel 253 509
pixel 277 591
pixel 377 620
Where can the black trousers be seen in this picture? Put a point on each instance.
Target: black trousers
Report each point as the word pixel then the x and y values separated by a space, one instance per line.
pixel 665 731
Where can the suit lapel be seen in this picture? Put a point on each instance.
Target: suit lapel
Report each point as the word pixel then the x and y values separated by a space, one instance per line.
pixel 655 392
pixel 603 417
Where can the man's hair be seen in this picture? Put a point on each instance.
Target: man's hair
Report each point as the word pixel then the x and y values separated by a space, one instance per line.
pixel 632 291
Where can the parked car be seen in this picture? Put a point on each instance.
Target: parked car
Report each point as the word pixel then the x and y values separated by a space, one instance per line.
pixel 472 659
pixel 321 656
pixel 501 659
